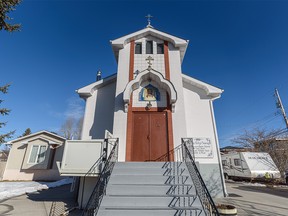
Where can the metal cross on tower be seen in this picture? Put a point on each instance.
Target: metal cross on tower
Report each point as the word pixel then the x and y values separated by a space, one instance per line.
pixel 149 20
pixel 149 59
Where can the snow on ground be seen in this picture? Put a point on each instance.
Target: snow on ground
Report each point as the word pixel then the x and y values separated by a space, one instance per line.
pixel 12 189
pixel 254 184
pixel 257 184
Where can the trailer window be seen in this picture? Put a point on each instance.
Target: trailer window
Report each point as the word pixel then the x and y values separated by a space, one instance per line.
pixel 224 162
pixel 237 162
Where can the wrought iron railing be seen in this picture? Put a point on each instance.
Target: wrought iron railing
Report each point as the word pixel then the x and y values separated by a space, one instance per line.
pixel 95 199
pixel 185 153
pixel 201 189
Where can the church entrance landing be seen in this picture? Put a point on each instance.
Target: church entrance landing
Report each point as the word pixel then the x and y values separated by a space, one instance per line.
pixel 149 136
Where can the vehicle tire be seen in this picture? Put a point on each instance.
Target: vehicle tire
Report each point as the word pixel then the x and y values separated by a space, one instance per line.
pixel 226 176
pixel 287 180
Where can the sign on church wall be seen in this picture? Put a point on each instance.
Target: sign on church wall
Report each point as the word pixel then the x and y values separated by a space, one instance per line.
pixel 200 147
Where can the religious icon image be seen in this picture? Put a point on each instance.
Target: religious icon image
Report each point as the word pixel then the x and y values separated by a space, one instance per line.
pixel 149 93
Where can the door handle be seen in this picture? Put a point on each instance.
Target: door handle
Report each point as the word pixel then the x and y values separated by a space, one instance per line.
pixel 148 137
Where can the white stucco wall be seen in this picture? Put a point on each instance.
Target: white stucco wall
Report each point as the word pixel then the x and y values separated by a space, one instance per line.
pixel 86 187
pixel 99 112
pixel 178 117
pixel 120 117
pixel 89 116
pixel 199 116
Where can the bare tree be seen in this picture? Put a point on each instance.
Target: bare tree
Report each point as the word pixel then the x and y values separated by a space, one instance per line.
pixel 78 129
pixel 274 142
pixel 71 128
pixel 248 138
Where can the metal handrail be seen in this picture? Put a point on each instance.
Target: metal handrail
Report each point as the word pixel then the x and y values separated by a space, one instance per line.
pixel 175 153
pixel 95 199
pixel 93 170
pixel 201 189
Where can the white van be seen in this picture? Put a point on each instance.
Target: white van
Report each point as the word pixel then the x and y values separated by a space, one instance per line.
pixel 249 165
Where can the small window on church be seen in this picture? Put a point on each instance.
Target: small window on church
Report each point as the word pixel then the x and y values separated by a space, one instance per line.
pixel 149 47
pixel 160 48
pixel 138 48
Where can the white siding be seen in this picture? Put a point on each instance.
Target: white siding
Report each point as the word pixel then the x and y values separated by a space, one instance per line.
pixel 99 113
pixel 178 117
pixel 199 120
pixel 120 117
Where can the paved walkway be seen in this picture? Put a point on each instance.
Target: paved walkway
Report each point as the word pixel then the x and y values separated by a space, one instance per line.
pixel 39 203
pixel 255 200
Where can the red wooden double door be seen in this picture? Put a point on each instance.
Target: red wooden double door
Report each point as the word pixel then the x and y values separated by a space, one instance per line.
pixel 149 136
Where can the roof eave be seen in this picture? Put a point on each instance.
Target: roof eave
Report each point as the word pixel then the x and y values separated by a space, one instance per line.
pixel 35 134
pixel 87 91
pixel 119 43
pixel 211 91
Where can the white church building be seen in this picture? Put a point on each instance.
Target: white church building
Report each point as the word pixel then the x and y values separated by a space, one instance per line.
pixel 150 107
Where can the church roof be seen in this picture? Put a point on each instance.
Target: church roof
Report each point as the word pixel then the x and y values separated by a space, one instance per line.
pixel 119 43
pixel 88 90
pixel 210 90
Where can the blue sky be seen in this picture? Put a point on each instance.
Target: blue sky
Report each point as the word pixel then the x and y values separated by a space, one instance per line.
pixel 239 46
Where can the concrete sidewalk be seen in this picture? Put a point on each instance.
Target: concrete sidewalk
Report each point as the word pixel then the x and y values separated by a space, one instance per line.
pixel 39 203
pixel 256 200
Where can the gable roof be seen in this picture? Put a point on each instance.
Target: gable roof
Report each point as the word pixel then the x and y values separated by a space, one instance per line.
pixel 88 90
pixel 210 90
pixel 119 43
pixel 35 134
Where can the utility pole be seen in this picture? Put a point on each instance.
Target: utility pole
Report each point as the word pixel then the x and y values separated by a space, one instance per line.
pixel 279 105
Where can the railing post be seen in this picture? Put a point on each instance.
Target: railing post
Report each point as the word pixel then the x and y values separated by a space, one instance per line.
pixel 105 149
pixel 182 148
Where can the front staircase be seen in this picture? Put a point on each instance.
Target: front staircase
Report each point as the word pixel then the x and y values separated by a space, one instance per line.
pixel 150 188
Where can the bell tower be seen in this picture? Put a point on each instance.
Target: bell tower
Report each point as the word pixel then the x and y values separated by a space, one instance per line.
pixel 149 93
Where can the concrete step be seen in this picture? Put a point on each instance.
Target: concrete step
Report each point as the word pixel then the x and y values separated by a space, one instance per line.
pixel 134 202
pixel 149 171
pixel 150 212
pixel 148 164
pixel 150 179
pixel 150 190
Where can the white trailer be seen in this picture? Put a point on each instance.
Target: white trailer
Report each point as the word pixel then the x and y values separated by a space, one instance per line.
pixel 249 165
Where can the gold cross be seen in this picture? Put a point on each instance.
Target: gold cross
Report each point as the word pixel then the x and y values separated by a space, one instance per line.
pixel 149 59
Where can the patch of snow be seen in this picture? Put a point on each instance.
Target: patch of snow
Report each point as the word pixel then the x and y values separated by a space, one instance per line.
pixel 253 184
pixel 12 189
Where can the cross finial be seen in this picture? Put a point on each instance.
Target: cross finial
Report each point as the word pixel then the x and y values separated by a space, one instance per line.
pixel 149 20
pixel 149 59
